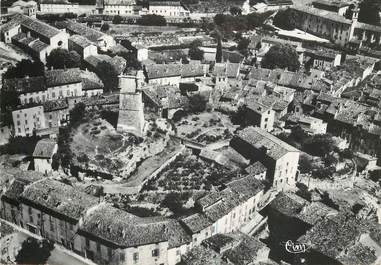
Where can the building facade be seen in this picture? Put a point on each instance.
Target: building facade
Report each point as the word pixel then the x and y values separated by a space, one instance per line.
pixel 26 120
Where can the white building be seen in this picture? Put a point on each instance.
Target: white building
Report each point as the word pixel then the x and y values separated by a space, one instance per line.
pixel 28 119
pixel 34 36
pixel 260 115
pixel 43 155
pixel 82 46
pixel 61 6
pixel 28 8
pixel 163 74
pixel 118 7
pixel 280 158
pixel 167 9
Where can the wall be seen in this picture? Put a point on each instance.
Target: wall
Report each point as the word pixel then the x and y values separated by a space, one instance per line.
pixel 63 91
pixel 285 171
pixel 26 120
pixel 59 8
pixel 173 80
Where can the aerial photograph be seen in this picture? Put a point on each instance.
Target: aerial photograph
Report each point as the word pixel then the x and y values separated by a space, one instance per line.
pixel 190 132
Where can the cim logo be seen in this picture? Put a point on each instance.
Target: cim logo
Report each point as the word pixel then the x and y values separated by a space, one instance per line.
pixel 292 247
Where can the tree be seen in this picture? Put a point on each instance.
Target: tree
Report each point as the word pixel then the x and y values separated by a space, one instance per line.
pixel 319 145
pixel 235 11
pixel 197 103
pixel 117 19
pixel 369 12
pixel 305 164
pixel 25 68
pixel 242 46
pixel 219 19
pixel 108 73
pixel 195 53
pixel 219 51
pixel 105 27
pixel 281 56
pixel 77 113
pixel 254 20
pixel 61 58
pixel 34 251
pixel 285 19
pixel 151 20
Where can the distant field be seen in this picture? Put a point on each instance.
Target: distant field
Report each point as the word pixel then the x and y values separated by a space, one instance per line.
pixel 127 28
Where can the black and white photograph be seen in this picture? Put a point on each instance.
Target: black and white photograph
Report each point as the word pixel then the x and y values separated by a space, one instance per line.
pixel 190 132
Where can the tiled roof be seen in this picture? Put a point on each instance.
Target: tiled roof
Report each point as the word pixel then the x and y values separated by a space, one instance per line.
pixel 322 13
pixel 58 198
pixel 275 148
pixel 288 204
pixel 155 71
pixel 14 190
pixel 44 148
pixel 192 70
pixel 81 41
pixel 127 230
pixel 196 222
pixel 164 3
pixel 119 2
pixel 314 211
pixel 81 29
pixel 246 187
pixel 38 45
pixel 256 168
pixel 53 105
pixel 40 27
pixel 14 22
pixel 60 77
pixel 90 81
pixel 334 3
pixel 25 85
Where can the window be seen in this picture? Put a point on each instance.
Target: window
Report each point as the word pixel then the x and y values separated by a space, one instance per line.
pixel 18 123
pixel 30 210
pixel 31 218
pixel 109 253
pixel 178 253
pixel 87 242
pixel 136 257
pixel 98 247
pixel 60 43
pixel 122 257
pixel 155 253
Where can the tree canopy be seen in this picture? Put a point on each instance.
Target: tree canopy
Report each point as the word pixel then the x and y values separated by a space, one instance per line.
pixel 25 68
pixel 219 51
pixel 369 12
pixel 195 53
pixel 285 19
pixel 108 73
pixel 197 103
pixel 242 46
pixel 61 58
pixel 34 251
pixel 151 20
pixel 235 10
pixel 281 56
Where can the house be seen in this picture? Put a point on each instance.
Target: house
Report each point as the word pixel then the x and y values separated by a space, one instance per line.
pixel 28 89
pixel 167 100
pixel 58 6
pixel 28 8
pixel 280 158
pixel 167 9
pixel 111 236
pixel 307 123
pixel 28 119
pixel 17 180
pixel 82 46
pixel 323 59
pixel 339 7
pixel 102 40
pixel 163 74
pixel 43 155
pixel 92 85
pixel 34 36
pixel 52 209
pixel 118 7
pixel 336 28
pixel 56 113
pixel 192 71
pixel 63 83
pixel 260 115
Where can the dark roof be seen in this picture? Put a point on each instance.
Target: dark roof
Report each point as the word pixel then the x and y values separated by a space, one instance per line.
pixel 288 204
pixel 38 45
pixel 275 148
pixel 246 187
pixel 192 70
pixel 278 2
pixel 44 148
pixel 81 29
pixel 14 190
pixel 53 105
pixel 58 199
pixel 60 77
pixel 333 16
pixel 25 85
